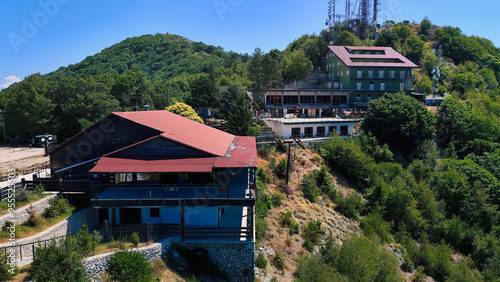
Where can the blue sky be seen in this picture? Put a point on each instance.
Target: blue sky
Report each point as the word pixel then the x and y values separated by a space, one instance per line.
pixel 40 36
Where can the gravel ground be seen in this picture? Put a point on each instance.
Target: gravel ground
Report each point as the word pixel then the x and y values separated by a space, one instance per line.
pixel 20 158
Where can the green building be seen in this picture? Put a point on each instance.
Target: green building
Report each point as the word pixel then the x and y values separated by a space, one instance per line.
pixel 365 73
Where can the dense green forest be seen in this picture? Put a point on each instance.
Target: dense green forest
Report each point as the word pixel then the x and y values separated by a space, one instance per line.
pixel 430 180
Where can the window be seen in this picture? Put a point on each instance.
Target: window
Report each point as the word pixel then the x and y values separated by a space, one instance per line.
pixel 358 98
pixel 320 131
pixel 329 85
pixel 392 74
pixel 401 86
pixel 346 72
pixel 359 73
pixel 308 132
pixel 296 132
pixel 358 85
pixel 372 86
pixel 154 212
pixel 344 130
pixel 402 75
pixel 369 98
pixel 332 129
pixel 381 74
pixel 335 85
pixel 382 85
pixel 370 73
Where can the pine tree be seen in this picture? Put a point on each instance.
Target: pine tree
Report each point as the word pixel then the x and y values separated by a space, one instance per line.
pixel 239 119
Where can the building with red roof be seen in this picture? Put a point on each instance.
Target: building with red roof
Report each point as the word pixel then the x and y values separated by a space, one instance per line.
pixel 158 169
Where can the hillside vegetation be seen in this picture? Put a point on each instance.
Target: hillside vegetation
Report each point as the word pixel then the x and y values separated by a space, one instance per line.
pixel 423 190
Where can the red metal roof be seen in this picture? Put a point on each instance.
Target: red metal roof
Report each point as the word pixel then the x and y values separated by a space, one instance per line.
pixel 109 165
pixel 342 52
pixel 183 130
pixel 242 153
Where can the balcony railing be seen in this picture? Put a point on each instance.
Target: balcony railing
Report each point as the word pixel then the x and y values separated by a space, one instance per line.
pixel 143 195
pixel 157 231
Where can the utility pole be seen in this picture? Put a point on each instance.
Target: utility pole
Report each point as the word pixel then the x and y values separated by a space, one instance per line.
pixel 289 142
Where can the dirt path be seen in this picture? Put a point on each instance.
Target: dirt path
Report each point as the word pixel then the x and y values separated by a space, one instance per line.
pixel 20 158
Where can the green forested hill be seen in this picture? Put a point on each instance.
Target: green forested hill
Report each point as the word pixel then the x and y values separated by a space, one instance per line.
pixel 135 72
pixel 160 56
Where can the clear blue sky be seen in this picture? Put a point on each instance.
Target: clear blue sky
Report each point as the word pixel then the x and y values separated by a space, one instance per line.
pixel 40 36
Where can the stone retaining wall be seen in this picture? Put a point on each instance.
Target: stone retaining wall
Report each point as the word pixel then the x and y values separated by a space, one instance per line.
pixel 237 260
pixel 70 225
pixel 96 265
pixel 21 215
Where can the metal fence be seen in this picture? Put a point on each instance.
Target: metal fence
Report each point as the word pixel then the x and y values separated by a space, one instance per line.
pixel 27 250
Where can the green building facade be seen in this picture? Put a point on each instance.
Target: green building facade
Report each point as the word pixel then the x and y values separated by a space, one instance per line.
pixel 366 73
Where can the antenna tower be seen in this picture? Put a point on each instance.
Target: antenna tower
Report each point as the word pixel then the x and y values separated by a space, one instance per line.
pixel 330 21
pixel 347 10
pixel 363 18
pixel 376 4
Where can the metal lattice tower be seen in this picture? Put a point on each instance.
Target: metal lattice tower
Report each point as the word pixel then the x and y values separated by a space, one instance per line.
pixel 331 20
pixel 376 4
pixel 347 10
pixel 363 18
pixel 364 11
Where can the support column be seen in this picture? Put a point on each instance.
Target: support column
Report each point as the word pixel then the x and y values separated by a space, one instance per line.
pixel 183 224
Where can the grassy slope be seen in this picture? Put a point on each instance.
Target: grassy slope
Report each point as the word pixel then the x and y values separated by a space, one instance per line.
pixel 278 237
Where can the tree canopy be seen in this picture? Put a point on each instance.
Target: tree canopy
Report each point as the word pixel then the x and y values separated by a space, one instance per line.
pixel 398 118
pixel 184 110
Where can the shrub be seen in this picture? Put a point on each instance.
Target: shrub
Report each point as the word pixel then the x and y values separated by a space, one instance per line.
pixel 7 224
pixel 263 205
pixel 280 169
pixel 294 227
pixel 58 261
pixel 86 241
pixel 58 206
pixel 264 150
pixel 21 195
pixel 316 158
pixel 286 218
pixel 5 269
pixel 39 188
pixel 309 187
pixel 313 231
pixel 302 162
pixel 277 199
pixel 278 260
pixel 135 239
pixel 350 206
pixel 374 225
pixel 261 261
pixel 33 219
pixel 260 228
pixel 263 175
pixel 129 266
pixel 272 164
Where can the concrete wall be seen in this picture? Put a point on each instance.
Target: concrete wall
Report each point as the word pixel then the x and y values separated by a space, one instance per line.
pixel 285 130
pixel 21 215
pixel 70 225
pixel 97 265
